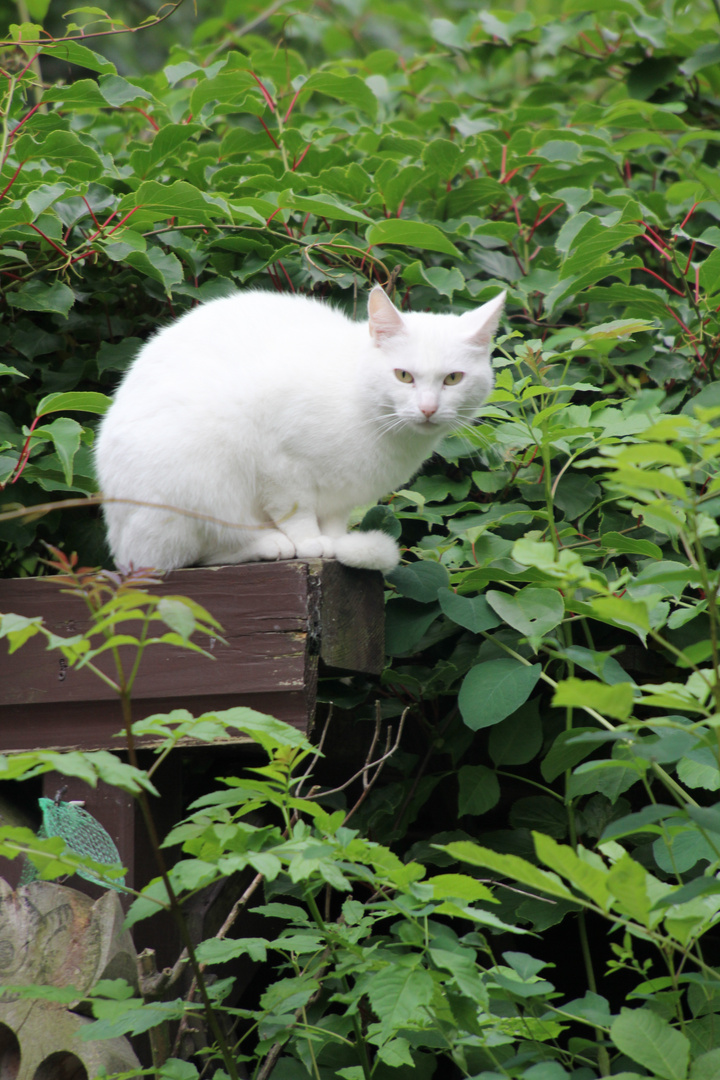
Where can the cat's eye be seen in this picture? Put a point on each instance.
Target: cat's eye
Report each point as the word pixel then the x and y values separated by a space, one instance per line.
pixel 453 378
pixel 403 376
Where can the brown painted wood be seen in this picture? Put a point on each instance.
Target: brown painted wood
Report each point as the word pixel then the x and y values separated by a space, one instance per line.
pixel 279 620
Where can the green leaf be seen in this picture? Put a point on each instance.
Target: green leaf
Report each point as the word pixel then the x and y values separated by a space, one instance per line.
pixel 347 88
pixel 65 435
pixel 160 265
pixel 398 995
pixel 583 873
pixel 87 401
pixel 71 52
pixel 479 789
pixel 619 611
pixel 495 689
pixel 650 1040
pixel 420 580
pixel 323 206
pixel 179 200
pixel 616 701
pixel 517 739
pixel 38 295
pixel 177 615
pixel 614 541
pixel 396 232
pixel 472 612
pixel 533 612
pixel 510 866
pixel 65 150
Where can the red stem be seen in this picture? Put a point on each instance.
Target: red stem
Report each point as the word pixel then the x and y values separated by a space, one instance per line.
pixel 24 457
pixel 299 162
pixel 537 224
pixel 92 215
pixel 99 226
pixel 689 214
pixel 147 117
pixel 291 106
pixel 265 94
pixel 12 180
pixel 122 220
pixel 687 264
pixel 26 117
pixel 656 246
pixel 268 133
pixel 50 242
pixel 287 276
pixel 670 287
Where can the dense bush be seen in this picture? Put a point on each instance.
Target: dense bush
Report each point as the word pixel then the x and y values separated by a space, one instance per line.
pixel 554 627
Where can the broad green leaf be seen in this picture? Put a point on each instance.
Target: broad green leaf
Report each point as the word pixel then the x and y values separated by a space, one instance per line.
pixel 348 88
pixel 627 881
pixel 651 1041
pixel 616 701
pixel 518 738
pixel 534 612
pixel 398 995
pixel 38 295
pixel 479 789
pixel 396 232
pixel 619 611
pixel 420 580
pixel 87 401
pixel 72 52
pixel 510 866
pixel 63 149
pixel 323 206
pixel 65 435
pixel 583 873
pixel 493 690
pixel 472 612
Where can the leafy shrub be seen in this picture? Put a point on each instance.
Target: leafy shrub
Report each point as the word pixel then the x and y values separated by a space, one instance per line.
pixel 554 628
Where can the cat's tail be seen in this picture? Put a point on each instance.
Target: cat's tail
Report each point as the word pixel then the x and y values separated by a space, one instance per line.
pixel 371 550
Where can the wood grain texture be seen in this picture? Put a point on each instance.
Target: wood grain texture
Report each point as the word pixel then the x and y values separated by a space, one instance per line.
pixel 278 620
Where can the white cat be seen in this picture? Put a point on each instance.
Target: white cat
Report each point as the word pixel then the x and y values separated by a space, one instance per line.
pixel 280 413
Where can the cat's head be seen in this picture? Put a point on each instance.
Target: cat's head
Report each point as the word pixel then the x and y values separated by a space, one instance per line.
pixel 433 370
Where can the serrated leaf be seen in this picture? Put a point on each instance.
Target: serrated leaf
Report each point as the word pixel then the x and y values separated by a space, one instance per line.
pixel 511 866
pixel 650 1040
pixel 38 295
pixel 397 995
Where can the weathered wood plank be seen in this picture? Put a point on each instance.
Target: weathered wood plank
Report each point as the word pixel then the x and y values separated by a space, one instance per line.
pixel 278 620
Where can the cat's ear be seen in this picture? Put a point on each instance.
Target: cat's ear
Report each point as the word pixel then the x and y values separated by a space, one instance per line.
pixel 384 319
pixel 482 324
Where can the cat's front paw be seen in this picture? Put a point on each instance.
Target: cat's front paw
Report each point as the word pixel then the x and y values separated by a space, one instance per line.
pixel 317 547
pixel 272 545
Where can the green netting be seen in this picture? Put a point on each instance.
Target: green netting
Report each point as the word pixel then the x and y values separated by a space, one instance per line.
pixel 83 836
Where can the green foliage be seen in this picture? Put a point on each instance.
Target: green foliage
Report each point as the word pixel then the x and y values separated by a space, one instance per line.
pixel 553 631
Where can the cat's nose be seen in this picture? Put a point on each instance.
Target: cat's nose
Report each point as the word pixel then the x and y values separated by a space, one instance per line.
pixel 428 410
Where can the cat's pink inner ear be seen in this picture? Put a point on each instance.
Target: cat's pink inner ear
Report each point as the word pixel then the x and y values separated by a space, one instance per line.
pixel 384 319
pixel 483 323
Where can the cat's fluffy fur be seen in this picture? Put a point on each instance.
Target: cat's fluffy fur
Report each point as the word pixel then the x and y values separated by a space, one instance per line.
pixel 280 413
